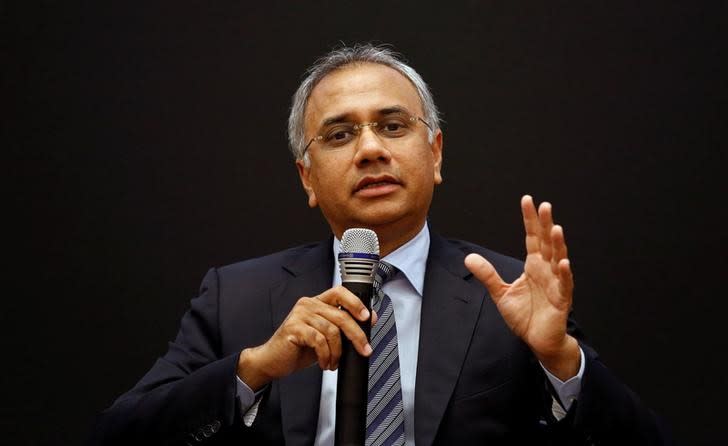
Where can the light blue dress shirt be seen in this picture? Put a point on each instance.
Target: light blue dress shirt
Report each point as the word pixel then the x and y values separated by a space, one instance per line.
pixel 405 290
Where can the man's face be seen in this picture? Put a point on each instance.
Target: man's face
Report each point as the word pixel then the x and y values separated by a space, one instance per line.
pixel 374 182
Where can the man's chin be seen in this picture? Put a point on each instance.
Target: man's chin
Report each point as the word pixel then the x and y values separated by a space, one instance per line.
pixel 381 216
pixel 382 221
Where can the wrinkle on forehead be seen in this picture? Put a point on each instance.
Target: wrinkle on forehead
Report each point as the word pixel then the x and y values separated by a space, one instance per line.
pixel 360 90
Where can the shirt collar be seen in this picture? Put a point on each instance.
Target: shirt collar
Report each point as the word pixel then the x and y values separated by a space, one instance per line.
pixel 410 259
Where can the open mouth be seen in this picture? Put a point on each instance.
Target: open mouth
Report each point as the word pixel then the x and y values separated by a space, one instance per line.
pixel 378 183
pixel 375 182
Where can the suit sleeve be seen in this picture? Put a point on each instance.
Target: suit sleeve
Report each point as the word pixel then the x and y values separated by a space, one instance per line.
pixel 189 394
pixel 607 411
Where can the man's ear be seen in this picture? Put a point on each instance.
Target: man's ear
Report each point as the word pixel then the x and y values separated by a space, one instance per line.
pixel 437 156
pixel 304 173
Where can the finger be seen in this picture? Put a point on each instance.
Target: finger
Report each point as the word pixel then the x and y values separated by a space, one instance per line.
pixel 340 296
pixel 312 338
pixel 333 338
pixel 531 225
pixel 375 317
pixel 351 329
pixel 566 282
pixel 546 222
pixel 558 242
pixel 323 305
pixel 486 273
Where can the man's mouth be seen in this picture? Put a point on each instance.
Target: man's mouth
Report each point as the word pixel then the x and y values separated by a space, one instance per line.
pixel 374 182
pixel 379 183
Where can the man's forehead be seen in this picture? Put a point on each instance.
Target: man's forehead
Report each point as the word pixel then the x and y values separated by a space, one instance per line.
pixel 375 113
pixel 362 88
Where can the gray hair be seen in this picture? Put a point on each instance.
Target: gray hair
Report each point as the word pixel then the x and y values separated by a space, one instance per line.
pixel 341 57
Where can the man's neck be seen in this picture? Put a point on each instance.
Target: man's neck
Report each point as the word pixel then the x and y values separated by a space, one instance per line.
pixel 392 238
pixel 391 235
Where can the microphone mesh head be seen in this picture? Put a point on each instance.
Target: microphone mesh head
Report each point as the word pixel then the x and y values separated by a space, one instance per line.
pixel 360 240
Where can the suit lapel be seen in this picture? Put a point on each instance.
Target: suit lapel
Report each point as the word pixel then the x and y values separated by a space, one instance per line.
pixel 310 274
pixel 450 309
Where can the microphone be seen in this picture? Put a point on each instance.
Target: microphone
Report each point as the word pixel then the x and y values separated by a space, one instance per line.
pixel 358 261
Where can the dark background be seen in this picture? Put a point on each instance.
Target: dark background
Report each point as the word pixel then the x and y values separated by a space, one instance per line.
pixel 147 144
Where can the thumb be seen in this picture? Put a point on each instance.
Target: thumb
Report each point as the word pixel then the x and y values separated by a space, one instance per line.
pixel 484 271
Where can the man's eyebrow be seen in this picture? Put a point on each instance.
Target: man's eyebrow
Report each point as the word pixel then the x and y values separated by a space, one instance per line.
pixel 344 117
pixel 392 110
pixel 335 119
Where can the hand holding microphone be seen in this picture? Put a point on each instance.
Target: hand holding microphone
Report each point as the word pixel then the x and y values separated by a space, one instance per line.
pixel 311 333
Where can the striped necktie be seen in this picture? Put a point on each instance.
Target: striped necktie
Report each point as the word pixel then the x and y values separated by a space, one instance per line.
pixel 385 413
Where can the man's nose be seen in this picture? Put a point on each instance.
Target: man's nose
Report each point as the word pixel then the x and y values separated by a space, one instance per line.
pixel 370 146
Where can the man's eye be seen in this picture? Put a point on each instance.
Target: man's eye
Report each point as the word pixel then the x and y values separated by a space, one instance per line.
pixel 338 136
pixel 393 128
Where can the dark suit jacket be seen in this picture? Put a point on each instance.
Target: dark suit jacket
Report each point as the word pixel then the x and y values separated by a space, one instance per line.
pixel 476 382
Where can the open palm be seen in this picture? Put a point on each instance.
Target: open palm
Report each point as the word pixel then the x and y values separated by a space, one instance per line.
pixel 536 305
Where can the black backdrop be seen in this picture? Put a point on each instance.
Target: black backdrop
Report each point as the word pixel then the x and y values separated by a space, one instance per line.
pixel 147 144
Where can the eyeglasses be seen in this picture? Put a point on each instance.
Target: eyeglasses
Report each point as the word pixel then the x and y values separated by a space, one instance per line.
pixel 339 135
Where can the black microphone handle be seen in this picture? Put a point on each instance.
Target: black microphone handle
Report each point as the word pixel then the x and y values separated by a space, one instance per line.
pixel 352 381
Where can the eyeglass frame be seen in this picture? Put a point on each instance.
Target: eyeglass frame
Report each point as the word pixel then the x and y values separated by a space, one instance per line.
pixel 412 118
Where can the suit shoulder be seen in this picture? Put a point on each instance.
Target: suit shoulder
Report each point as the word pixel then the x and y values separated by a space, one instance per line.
pixel 271 267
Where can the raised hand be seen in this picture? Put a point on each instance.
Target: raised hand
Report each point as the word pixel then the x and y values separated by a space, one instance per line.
pixel 536 305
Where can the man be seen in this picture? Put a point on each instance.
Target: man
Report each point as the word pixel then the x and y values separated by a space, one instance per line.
pixel 485 352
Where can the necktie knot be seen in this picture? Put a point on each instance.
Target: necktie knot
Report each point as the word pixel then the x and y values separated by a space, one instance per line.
pixel 385 271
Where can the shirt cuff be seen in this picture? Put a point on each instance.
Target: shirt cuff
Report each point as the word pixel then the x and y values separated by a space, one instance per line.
pixel 567 391
pixel 249 401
